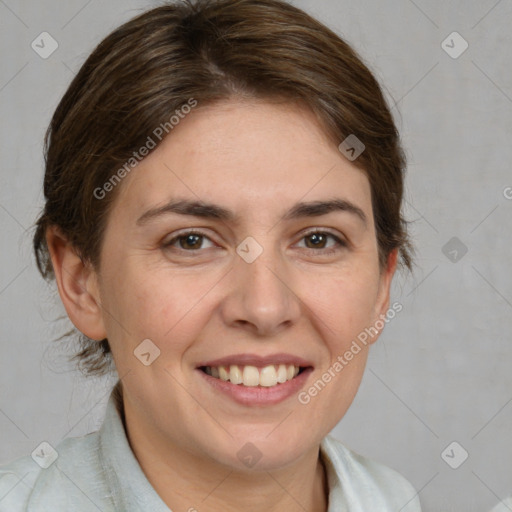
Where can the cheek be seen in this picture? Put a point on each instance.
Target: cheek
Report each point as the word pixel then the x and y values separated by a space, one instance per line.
pixel 345 306
pixel 160 306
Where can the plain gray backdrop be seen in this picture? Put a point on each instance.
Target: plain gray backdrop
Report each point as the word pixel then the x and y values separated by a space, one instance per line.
pixel 441 372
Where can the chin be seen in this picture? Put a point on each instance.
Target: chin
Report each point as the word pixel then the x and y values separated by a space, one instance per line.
pixel 263 450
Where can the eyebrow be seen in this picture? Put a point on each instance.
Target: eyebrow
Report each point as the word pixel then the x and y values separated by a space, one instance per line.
pixel 213 211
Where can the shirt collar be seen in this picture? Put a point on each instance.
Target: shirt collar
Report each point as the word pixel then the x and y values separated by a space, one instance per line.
pixel 131 490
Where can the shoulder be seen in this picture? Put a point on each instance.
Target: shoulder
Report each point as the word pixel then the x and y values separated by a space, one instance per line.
pixel 503 506
pixel 51 478
pixel 368 482
pixel 16 482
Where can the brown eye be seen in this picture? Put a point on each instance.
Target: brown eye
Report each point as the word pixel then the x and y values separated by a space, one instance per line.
pixel 318 241
pixel 190 241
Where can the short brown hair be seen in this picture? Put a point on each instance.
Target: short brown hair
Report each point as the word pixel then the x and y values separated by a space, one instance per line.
pixel 209 50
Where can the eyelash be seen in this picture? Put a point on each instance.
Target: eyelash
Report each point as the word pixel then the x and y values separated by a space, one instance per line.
pixel 340 244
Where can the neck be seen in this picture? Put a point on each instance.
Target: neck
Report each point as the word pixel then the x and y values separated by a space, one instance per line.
pixel 187 482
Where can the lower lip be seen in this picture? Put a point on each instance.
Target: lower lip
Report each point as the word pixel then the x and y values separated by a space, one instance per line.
pixel 259 395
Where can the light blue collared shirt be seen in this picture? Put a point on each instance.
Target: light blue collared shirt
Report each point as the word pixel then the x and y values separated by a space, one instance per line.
pixel 99 472
pixel 503 506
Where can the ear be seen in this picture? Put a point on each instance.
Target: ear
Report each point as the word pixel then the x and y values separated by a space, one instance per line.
pixel 78 286
pixel 382 302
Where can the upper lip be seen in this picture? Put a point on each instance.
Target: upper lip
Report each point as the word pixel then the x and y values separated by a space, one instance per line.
pixel 256 360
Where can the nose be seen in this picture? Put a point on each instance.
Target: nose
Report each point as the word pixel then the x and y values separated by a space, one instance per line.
pixel 262 298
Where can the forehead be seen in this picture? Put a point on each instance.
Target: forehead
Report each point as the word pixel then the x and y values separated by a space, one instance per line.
pixel 253 156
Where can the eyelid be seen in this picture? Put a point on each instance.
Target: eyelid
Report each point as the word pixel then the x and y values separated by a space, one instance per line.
pixel 340 240
pixel 185 232
pixel 326 231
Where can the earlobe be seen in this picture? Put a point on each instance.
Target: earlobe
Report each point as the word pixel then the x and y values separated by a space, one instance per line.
pixel 77 285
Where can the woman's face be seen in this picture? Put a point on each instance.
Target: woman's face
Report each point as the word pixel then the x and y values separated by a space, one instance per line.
pixel 219 251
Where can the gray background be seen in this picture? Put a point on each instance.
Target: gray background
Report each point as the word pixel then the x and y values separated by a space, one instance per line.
pixel 441 371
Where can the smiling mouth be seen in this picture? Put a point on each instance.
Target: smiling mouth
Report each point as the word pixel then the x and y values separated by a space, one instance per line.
pixel 252 376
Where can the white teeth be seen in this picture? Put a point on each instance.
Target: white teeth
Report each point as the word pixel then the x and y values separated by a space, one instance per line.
pixel 252 376
pixel 235 374
pixel 223 374
pixel 281 374
pixel 268 376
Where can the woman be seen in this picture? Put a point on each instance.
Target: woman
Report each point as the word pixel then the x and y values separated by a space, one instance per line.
pixel 223 221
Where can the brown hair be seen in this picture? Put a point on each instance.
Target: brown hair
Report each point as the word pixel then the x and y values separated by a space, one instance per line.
pixel 208 50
